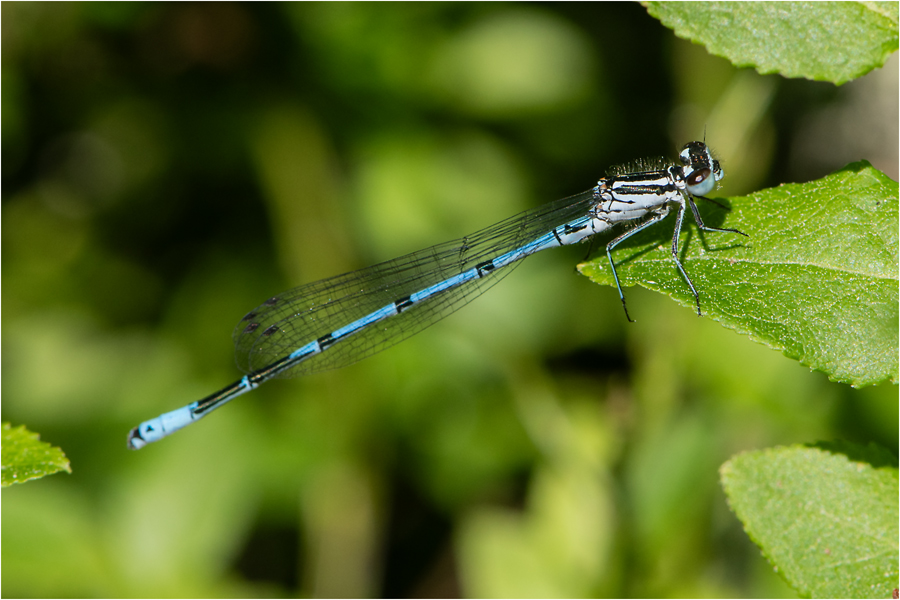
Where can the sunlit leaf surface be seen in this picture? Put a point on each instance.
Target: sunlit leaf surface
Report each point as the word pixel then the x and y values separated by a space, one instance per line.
pixel 816 278
pixel 825 516
pixel 26 457
pixel 824 41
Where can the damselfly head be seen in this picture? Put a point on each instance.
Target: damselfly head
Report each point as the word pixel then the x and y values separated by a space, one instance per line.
pixel 701 170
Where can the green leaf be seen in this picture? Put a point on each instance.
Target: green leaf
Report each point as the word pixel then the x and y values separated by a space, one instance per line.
pixel 822 41
pixel 817 278
pixel 26 457
pixel 826 516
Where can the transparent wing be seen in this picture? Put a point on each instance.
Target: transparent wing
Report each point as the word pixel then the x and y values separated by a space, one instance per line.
pixel 296 317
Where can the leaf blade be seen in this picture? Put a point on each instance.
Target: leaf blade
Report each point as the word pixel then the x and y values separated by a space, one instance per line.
pixel 834 540
pixel 817 279
pixel 25 457
pixel 822 41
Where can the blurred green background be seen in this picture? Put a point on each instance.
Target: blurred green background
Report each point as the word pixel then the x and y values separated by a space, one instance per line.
pixel 166 167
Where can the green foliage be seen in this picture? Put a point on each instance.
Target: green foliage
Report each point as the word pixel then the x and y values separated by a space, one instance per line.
pixel 25 457
pixel 826 516
pixel 817 278
pixel 823 41
pixel 169 166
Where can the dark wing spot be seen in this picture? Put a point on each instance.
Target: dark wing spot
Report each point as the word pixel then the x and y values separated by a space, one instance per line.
pixel 251 327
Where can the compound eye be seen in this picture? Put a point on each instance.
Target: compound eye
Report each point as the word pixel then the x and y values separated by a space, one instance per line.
pixel 699 182
pixel 698 176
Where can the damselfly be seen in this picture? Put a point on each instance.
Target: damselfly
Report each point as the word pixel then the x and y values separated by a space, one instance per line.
pixel 341 320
